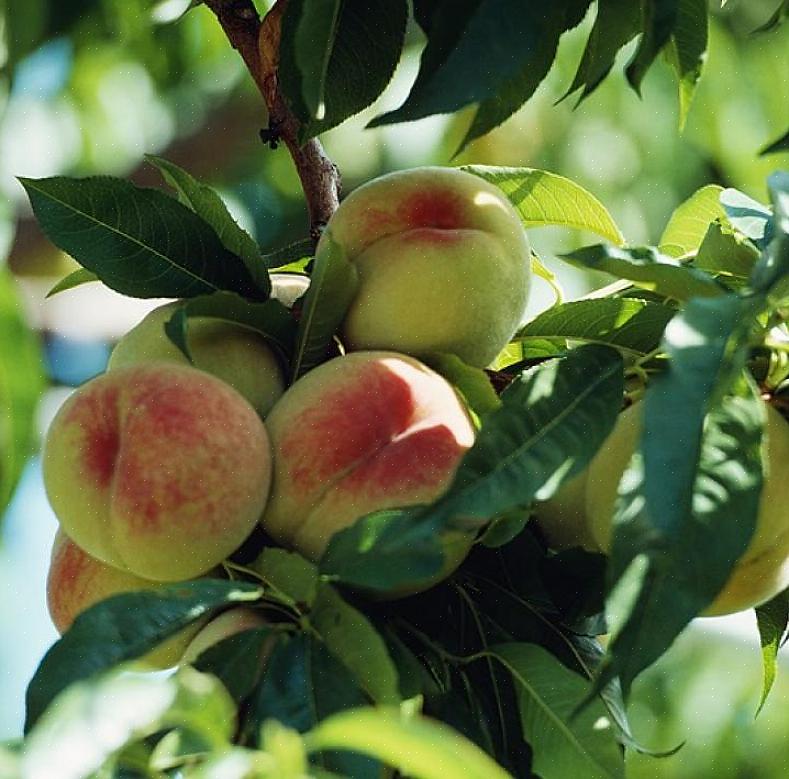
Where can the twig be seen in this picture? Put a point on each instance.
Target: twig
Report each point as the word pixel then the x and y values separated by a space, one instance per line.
pixel 257 41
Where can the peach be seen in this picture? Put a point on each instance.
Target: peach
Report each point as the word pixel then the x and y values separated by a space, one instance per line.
pixel 360 433
pixel 581 514
pixel 158 469
pixel 225 625
pixel 443 264
pixel 77 581
pixel 234 353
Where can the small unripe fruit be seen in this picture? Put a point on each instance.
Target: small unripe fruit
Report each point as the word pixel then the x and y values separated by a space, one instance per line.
pixel 237 355
pixel 443 264
pixel 77 581
pixel 157 469
pixel 360 433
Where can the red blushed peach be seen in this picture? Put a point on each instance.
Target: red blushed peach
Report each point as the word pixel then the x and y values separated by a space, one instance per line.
pixel 360 433
pixel 443 264
pixel 77 581
pixel 157 469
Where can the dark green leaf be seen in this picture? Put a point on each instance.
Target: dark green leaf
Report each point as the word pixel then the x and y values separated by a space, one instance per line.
pixel 237 661
pixel 625 323
pixel 646 267
pixel 139 242
pixel 779 145
pixel 176 329
pixel 517 42
pixel 617 22
pixel 303 685
pixel 504 528
pixel 332 288
pixel 689 50
pixel 337 58
pixel 747 216
pixel 772 618
pixel 74 279
pixel 206 203
pixel 125 627
pixel 352 639
pixel 22 383
pixel 684 492
pixel 552 421
pixel 659 19
pixel 564 742
pixel 774 264
pixel 281 259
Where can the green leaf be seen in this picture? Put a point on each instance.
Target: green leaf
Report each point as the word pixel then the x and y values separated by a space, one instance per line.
pixel 25 26
pixel 689 50
pixel 659 19
pixel 417 746
pixel 337 58
pixel 176 329
pixel 207 203
pixel 688 224
pixel 92 721
pixel 139 242
pixel 332 288
pixel 516 42
pixel 564 741
pixel 472 383
pixel 779 145
pixel 772 618
pixel 747 216
pixel 353 640
pixel 628 324
pixel 288 573
pixel 675 498
pixel 74 279
pixel 778 18
pixel 542 198
pixel 774 264
pixel 617 23
pixel 725 251
pixel 552 421
pixel 238 660
pixel 646 267
pixel 129 625
pixel 271 319
pixel 303 685
pixel 292 257
pixel 22 383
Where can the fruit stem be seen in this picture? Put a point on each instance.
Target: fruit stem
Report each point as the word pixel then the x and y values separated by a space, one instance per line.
pixel 257 41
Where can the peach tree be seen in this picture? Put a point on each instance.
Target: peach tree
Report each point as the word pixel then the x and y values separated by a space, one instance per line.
pixel 376 520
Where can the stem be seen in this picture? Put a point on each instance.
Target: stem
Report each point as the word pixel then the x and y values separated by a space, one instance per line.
pixel 258 44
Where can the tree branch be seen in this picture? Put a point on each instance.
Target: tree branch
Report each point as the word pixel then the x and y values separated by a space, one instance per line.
pixel 258 44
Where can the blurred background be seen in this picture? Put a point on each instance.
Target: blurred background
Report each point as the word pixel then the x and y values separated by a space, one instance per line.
pixel 99 83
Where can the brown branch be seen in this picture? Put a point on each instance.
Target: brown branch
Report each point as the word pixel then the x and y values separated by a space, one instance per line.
pixel 258 44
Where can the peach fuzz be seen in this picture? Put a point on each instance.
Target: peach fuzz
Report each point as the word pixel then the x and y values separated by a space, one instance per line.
pixel 362 432
pixel 234 353
pixel 157 469
pixel 77 581
pixel 443 264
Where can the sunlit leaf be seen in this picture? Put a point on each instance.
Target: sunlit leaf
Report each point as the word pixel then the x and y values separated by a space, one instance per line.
pixel 772 618
pixel 689 223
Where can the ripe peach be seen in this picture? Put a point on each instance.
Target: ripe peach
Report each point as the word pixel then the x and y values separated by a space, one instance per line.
pixel 225 625
pixel 157 469
pixel 362 432
pixel 443 264
pixel 234 353
pixel 77 581
pixel 582 515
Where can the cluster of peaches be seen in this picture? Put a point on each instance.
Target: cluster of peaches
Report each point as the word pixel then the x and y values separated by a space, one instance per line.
pixel 160 469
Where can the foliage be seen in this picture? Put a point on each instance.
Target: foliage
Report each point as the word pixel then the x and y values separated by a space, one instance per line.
pixel 498 670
